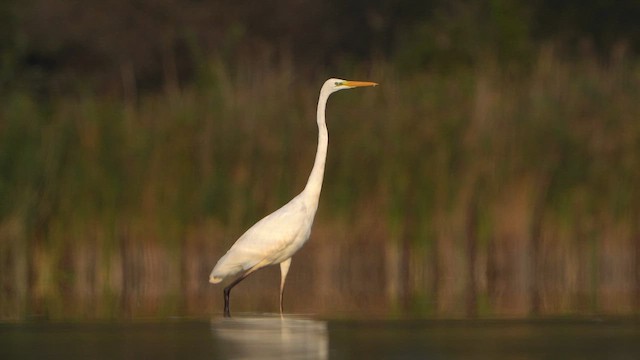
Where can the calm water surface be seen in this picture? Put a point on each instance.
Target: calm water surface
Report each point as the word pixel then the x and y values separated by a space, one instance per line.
pixel 270 337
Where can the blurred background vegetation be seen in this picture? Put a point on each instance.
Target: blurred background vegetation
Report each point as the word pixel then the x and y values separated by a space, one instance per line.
pixel 494 173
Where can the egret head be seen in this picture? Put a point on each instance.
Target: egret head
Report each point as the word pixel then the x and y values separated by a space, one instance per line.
pixel 332 85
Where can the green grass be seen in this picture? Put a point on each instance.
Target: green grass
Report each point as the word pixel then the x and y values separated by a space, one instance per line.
pixel 103 199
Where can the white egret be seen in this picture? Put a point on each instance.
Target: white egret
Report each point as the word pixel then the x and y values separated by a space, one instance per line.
pixel 275 238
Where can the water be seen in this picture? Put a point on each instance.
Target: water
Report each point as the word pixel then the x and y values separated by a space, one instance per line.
pixel 270 337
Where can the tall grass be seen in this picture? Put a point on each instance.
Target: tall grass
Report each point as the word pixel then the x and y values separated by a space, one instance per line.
pixel 473 193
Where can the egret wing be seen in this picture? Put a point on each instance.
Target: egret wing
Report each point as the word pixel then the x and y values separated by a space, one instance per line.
pixel 264 241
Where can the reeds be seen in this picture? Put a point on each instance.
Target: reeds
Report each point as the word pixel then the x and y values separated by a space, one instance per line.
pixel 473 193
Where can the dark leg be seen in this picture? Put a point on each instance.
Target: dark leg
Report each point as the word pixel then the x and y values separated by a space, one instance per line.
pixel 227 292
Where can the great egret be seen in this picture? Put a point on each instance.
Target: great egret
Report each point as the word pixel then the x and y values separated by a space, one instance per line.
pixel 275 238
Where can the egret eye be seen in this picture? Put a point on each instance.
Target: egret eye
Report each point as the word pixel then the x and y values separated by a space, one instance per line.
pixel 338 83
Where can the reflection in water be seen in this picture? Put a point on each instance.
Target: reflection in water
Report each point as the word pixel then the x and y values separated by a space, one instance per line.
pixel 271 337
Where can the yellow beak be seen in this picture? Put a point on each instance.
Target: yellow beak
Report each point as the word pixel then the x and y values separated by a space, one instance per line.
pixel 359 83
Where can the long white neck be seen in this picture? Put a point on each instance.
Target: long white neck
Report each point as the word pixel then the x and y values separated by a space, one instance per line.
pixel 311 192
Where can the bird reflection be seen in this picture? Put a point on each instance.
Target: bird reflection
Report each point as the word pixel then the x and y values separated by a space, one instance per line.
pixel 271 337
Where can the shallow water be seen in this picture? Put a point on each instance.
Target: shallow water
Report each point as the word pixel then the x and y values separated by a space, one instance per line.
pixel 270 337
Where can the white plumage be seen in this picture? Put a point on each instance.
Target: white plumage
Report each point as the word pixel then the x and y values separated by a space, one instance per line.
pixel 275 238
pixel 270 241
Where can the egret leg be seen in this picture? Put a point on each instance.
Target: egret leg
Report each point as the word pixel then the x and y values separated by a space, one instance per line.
pixel 227 290
pixel 284 269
